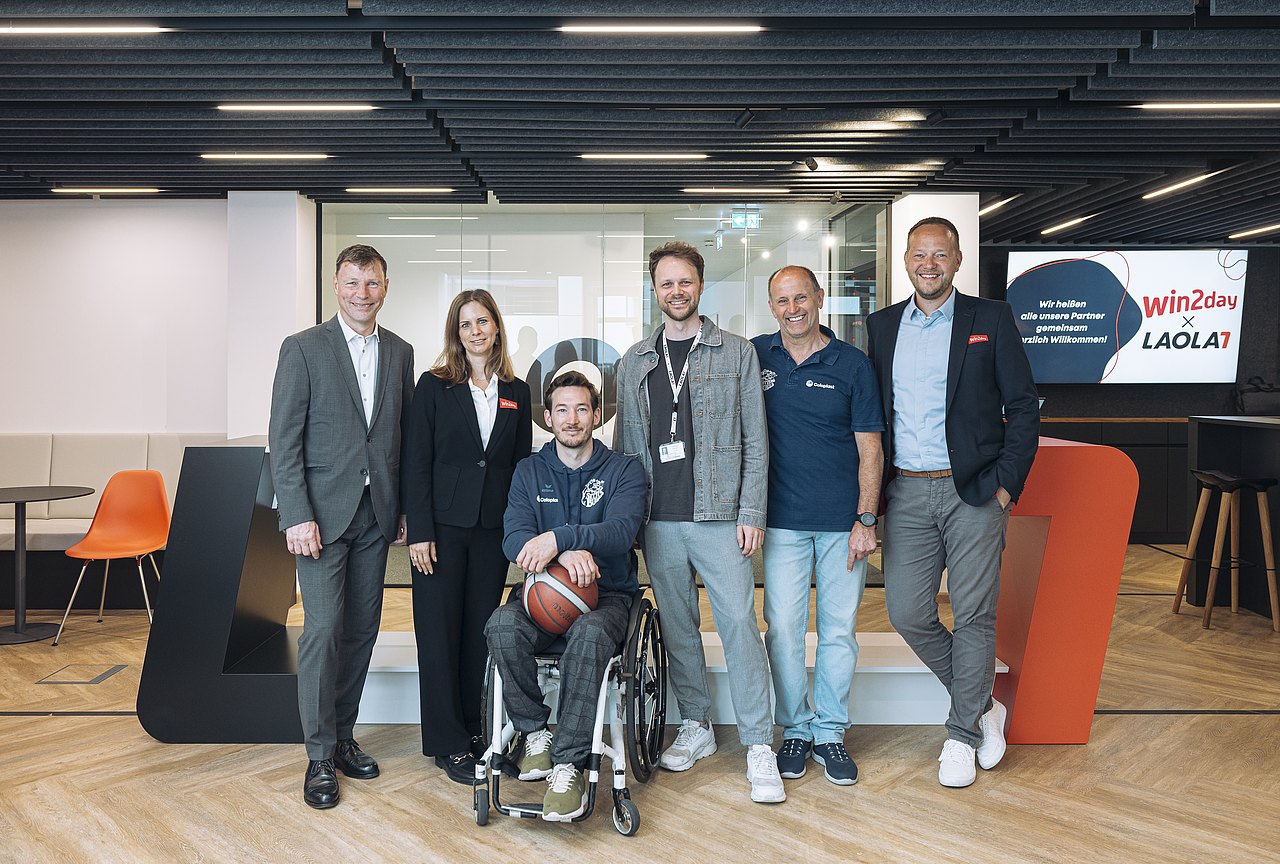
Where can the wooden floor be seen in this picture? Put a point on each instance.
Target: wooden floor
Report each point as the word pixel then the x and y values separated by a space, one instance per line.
pixel 1183 766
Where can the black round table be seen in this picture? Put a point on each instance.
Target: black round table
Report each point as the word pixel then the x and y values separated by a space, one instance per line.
pixel 19 497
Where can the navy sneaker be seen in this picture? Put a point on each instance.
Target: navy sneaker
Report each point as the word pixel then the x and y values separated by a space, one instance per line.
pixel 791 757
pixel 841 770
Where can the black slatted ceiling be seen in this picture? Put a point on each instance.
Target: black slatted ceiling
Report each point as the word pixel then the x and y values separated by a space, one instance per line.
pixel 490 99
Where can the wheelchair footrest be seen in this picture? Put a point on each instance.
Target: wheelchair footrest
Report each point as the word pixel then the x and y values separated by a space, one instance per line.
pixel 499 762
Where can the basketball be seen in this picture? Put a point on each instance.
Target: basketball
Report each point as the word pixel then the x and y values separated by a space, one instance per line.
pixel 553 601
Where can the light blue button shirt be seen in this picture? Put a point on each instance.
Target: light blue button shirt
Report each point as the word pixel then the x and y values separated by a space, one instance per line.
pixel 920 388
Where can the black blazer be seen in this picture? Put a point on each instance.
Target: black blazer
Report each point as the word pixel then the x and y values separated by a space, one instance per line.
pixel 987 368
pixel 447 477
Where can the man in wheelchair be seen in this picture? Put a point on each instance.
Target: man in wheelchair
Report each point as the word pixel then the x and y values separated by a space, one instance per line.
pixel 577 502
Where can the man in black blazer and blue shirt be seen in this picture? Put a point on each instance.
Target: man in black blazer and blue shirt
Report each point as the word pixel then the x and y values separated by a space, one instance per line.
pixel 952 371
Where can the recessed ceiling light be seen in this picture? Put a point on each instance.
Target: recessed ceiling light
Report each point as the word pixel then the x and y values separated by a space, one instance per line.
pixel 764 254
pixel 398 190
pixel 265 156
pixel 1207 106
pixel 991 208
pixel 12 30
pixel 384 236
pixel 662 157
pixel 300 106
pixel 1253 231
pixel 436 218
pixel 660 28
pixel 1183 185
pixel 802 225
pixel 105 190
pixel 1056 228
pixel 829 240
pixel 712 190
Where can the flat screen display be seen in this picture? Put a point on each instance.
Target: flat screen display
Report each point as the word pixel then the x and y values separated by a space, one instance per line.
pixel 1129 317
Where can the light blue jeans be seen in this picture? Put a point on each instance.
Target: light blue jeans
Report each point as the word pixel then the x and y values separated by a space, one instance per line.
pixel 672 551
pixel 790 559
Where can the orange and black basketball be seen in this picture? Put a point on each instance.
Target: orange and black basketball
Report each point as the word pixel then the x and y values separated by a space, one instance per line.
pixel 553 601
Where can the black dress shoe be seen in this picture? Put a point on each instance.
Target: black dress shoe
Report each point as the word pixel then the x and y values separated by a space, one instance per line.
pixel 460 767
pixel 354 762
pixel 320 789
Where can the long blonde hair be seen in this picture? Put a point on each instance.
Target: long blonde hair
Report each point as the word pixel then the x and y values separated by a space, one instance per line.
pixel 451 365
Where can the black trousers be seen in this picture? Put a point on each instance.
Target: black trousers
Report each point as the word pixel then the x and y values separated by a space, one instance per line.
pixel 450 609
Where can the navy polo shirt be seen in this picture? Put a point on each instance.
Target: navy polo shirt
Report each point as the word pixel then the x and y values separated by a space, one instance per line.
pixel 813 410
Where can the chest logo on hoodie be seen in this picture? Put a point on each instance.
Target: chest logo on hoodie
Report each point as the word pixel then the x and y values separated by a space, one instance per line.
pixel 592 493
pixel 548 495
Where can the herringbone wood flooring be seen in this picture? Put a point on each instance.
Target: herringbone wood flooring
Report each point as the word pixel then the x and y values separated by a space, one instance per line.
pixel 1167 786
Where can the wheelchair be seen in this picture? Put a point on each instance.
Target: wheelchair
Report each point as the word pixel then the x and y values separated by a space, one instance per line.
pixel 633 694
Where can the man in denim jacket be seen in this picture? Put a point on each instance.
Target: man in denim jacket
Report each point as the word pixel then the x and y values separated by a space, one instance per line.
pixel 691 409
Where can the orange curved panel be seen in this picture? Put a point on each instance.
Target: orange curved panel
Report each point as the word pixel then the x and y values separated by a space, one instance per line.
pixel 1058 584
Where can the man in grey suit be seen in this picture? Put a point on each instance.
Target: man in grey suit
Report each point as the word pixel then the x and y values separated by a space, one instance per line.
pixel 341 391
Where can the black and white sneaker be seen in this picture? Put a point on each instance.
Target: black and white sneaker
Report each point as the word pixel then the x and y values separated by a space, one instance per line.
pixel 841 769
pixel 791 758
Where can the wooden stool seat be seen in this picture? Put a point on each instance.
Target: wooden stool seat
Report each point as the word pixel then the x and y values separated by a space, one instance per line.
pixel 1229 486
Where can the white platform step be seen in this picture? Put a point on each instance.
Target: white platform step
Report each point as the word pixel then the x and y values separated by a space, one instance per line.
pixel 890 686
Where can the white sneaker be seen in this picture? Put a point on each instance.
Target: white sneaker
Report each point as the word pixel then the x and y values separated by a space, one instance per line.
pixel 956 768
pixel 693 742
pixel 762 771
pixel 991 750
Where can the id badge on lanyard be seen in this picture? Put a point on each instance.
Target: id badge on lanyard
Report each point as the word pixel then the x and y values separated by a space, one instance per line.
pixel 673 450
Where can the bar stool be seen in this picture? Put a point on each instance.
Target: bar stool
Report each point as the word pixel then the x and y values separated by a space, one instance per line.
pixel 1230 487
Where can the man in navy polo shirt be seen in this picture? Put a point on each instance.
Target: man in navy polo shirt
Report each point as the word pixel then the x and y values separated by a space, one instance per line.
pixel 825 421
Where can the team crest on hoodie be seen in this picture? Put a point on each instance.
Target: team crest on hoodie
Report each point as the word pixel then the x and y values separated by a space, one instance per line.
pixel 592 493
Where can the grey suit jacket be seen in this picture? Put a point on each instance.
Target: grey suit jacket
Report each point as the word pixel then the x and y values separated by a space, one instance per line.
pixel 321 448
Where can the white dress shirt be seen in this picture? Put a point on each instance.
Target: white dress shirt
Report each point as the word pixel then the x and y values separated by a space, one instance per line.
pixel 364 357
pixel 486 402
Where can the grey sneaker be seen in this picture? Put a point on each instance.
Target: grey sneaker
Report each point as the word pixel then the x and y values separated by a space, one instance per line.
pixel 762 772
pixel 535 760
pixel 693 742
pixel 791 758
pixel 566 794
pixel 841 769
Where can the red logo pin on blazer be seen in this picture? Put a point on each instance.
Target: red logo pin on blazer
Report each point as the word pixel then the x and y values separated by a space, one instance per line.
pixel 978 337
pixel 511 403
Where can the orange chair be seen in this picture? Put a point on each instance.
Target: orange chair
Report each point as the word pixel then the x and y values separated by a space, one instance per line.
pixel 132 520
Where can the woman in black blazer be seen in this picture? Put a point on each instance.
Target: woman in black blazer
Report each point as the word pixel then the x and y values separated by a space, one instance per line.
pixel 469 426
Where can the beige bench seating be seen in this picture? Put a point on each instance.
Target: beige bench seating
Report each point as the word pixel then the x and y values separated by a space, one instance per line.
pixel 81 459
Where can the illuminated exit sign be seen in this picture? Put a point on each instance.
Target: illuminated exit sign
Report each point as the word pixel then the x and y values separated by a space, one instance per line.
pixel 746 220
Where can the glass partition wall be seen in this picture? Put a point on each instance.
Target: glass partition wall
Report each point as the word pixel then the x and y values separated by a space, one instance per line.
pixel 572 281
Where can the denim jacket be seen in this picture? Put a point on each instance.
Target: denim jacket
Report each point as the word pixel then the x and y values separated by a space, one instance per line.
pixel 730 438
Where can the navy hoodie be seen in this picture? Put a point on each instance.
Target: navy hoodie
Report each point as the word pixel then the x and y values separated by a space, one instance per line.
pixel 597 508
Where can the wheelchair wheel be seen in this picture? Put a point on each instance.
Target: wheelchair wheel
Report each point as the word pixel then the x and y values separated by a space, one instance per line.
pixel 626 817
pixel 645 668
pixel 486 701
pixel 482 805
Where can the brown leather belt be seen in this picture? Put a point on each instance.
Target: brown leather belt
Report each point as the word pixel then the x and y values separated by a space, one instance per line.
pixel 932 475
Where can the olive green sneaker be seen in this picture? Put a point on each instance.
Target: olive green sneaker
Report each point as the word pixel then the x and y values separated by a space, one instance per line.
pixel 535 760
pixel 566 794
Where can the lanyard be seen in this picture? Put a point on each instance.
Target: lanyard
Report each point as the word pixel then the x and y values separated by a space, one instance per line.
pixel 677 386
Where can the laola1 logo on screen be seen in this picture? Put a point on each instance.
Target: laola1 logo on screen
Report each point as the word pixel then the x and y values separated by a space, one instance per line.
pixel 1188 339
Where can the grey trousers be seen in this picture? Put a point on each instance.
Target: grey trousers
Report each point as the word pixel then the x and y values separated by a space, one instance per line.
pixel 593 639
pixel 342 606
pixel 927 527
pixel 672 551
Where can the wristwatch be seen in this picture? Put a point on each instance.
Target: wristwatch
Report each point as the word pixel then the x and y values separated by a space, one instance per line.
pixel 868 519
